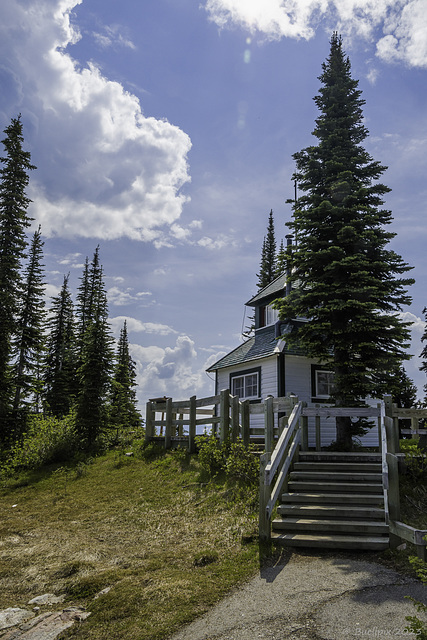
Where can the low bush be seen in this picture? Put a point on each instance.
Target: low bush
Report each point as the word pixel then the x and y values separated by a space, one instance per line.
pixel 46 440
pixel 232 458
pixel 415 458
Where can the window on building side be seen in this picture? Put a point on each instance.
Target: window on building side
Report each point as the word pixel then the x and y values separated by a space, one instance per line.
pixel 245 385
pixel 323 383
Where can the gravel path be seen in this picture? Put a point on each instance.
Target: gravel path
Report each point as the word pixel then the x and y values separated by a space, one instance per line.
pixel 314 598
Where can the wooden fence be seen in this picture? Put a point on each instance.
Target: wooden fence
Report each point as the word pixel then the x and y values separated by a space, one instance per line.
pixel 174 423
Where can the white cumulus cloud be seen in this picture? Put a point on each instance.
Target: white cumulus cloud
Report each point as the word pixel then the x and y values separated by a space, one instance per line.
pixel 172 371
pixel 399 28
pixel 105 169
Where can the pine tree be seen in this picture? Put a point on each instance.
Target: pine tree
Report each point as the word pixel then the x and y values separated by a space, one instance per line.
pixel 82 308
pixel 14 220
pixel 123 412
pixel 60 366
pixel 268 256
pixel 30 339
pixel 281 260
pixel 349 284
pixel 97 358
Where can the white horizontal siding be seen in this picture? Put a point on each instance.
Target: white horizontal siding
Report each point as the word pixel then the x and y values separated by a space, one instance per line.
pixel 268 382
pixel 297 382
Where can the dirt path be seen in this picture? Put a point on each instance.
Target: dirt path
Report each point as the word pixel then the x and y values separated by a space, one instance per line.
pixel 314 598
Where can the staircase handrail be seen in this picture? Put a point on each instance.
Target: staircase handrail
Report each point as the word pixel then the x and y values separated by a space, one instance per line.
pixel 280 460
pixel 384 463
pixel 282 443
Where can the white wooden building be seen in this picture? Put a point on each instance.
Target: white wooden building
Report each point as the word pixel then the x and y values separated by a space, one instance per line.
pixel 266 364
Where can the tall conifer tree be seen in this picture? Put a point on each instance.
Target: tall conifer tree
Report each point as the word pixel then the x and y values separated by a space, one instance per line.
pixel 267 271
pixel 94 372
pixel 14 220
pixel 60 366
pixel 350 287
pixel 123 411
pixel 29 341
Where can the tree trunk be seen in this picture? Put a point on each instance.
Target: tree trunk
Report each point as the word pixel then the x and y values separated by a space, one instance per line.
pixel 344 438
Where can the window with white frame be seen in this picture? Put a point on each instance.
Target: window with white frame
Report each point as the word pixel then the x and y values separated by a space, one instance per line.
pixel 322 383
pixel 246 384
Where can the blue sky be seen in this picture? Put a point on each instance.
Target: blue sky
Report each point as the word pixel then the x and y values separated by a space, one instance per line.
pixel 164 132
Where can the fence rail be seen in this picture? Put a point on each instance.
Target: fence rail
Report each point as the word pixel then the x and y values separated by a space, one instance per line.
pixel 171 422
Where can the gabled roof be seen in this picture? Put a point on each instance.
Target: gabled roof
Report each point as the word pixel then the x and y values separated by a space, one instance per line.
pixel 263 344
pixel 272 290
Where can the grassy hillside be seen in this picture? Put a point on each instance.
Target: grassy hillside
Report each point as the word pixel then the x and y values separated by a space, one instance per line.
pixel 166 543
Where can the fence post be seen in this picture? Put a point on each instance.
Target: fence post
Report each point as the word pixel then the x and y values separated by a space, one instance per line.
pixel 268 423
pixel 192 425
pixel 317 427
pixel 149 427
pixel 304 433
pixel 168 427
pixel 264 494
pixel 224 425
pixel 244 407
pixel 234 418
pixel 393 495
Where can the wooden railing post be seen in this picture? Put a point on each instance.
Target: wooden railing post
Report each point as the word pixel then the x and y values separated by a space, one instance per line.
pixel 393 495
pixel 224 425
pixel 304 433
pixel 149 427
pixel 192 425
pixel 234 418
pixel 168 427
pixel 264 497
pixel 244 408
pixel 268 423
pixel 317 428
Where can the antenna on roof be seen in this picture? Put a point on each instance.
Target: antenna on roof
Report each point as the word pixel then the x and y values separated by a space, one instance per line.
pixel 289 239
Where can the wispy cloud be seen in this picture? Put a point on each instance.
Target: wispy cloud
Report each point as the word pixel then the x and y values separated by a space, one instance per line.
pixel 120 297
pixel 134 325
pixel 114 36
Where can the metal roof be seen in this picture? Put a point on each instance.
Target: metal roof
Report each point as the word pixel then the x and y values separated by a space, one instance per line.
pixel 274 289
pixel 261 345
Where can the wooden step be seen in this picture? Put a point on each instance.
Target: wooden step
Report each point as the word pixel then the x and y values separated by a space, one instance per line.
pixel 332 487
pixel 331 511
pixel 331 456
pixel 358 543
pixel 366 527
pixel 346 467
pixel 329 476
pixel 335 498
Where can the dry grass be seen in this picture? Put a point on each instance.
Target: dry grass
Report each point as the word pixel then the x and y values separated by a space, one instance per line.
pixel 167 545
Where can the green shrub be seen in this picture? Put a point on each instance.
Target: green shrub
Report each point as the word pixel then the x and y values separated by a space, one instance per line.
pixel 234 459
pixel 46 440
pixel 242 464
pixel 415 458
pixel 212 454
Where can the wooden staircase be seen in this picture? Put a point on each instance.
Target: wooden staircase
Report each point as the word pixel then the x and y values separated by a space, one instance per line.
pixel 333 501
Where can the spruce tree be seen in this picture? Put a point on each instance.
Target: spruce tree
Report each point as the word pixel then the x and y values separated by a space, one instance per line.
pixel 350 288
pixel 94 372
pixel 281 260
pixel 60 365
pixel 82 308
pixel 267 271
pixel 14 221
pixel 123 411
pixel 30 339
